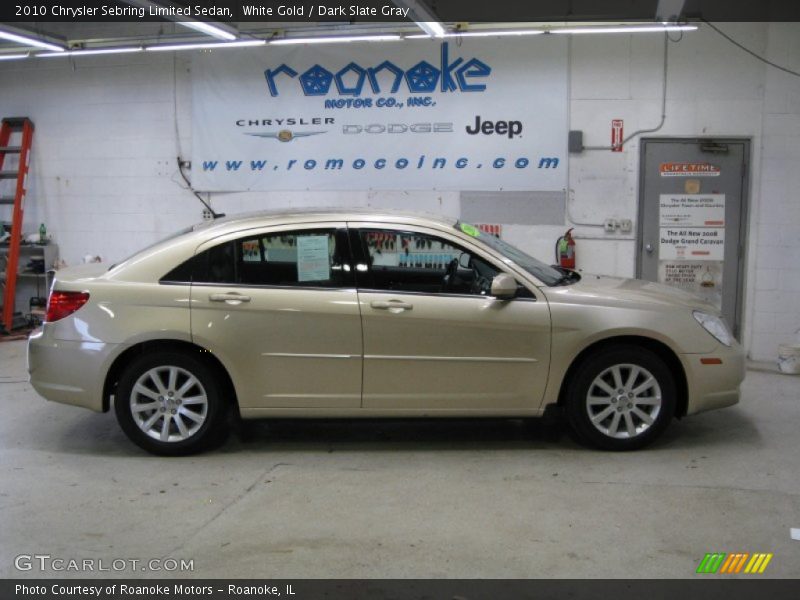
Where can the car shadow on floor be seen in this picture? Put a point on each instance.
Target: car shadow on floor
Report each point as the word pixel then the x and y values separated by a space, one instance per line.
pixel 731 427
pixel 100 435
pixel 728 427
pixel 330 435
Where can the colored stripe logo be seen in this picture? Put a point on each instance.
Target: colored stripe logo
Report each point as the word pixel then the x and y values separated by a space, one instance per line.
pixel 736 562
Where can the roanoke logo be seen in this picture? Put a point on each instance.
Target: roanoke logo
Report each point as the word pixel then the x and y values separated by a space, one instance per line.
pixel 458 75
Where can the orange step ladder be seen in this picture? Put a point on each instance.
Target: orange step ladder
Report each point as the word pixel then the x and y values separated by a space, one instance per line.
pixel 10 126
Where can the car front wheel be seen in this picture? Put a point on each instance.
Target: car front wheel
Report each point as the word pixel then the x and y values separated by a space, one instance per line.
pixel 169 403
pixel 621 399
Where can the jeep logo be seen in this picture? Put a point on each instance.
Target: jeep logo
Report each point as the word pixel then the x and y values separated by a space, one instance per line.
pixel 509 128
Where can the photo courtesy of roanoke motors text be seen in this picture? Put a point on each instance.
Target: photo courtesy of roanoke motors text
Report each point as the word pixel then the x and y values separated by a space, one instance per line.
pixel 401 299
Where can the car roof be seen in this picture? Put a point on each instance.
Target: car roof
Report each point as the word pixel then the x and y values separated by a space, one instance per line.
pixel 299 215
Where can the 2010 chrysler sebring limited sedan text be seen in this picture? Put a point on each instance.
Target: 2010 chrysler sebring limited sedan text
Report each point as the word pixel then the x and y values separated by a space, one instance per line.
pixel 358 314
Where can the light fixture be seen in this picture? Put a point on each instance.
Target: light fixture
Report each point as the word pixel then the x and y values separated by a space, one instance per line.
pixel 239 44
pixel 29 41
pixel 336 39
pixel 432 28
pixel 564 30
pixel 92 51
pixel 495 33
pixel 13 56
pixel 628 29
pixel 208 29
pixel 481 33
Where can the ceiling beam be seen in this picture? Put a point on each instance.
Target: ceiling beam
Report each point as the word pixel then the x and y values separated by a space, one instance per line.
pixel 669 10
pixel 221 31
pixel 423 16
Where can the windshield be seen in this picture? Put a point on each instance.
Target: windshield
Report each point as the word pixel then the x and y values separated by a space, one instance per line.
pixel 544 273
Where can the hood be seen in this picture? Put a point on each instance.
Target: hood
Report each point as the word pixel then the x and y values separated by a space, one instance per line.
pixel 612 291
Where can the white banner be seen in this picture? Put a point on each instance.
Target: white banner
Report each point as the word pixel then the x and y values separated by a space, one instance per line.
pixel 479 114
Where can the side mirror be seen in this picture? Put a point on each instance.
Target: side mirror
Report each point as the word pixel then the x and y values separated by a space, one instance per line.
pixel 504 286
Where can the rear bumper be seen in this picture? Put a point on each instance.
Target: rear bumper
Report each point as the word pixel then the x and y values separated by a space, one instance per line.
pixel 69 372
pixel 714 386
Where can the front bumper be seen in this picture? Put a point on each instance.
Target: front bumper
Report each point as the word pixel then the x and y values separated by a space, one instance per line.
pixel 69 372
pixel 710 384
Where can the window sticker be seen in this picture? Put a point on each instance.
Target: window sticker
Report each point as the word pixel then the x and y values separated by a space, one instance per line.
pixel 251 251
pixel 470 230
pixel 313 259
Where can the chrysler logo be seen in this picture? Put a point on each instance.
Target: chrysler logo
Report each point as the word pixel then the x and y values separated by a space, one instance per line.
pixel 285 135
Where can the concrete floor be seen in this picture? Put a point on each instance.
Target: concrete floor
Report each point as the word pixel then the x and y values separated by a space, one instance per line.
pixel 403 499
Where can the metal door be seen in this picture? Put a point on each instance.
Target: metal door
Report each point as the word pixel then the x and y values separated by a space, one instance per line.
pixel 692 206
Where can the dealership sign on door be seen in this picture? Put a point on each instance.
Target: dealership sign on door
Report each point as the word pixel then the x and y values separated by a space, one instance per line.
pixel 692 227
pixel 423 114
pixel 688 169
pixel 692 243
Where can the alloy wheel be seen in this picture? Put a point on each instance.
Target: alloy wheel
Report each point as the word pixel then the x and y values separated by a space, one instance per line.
pixel 624 401
pixel 168 403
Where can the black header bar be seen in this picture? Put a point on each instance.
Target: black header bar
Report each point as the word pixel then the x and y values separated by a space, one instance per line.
pixel 365 11
pixel 708 587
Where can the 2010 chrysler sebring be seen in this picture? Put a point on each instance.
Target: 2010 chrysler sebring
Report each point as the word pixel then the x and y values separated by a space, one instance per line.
pixel 359 314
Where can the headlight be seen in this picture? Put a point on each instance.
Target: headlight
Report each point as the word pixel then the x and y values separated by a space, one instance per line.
pixel 715 326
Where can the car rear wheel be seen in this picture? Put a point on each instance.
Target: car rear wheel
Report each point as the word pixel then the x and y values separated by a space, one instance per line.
pixel 621 399
pixel 169 403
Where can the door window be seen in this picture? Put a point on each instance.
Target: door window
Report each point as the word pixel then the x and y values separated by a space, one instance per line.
pixel 307 258
pixel 417 262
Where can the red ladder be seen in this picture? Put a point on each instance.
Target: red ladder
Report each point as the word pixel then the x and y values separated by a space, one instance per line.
pixel 10 126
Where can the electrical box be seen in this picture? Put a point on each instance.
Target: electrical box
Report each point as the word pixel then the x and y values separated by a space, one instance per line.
pixel 575 141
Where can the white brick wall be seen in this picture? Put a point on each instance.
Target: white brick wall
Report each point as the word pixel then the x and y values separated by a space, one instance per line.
pixel 776 305
pixel 104 177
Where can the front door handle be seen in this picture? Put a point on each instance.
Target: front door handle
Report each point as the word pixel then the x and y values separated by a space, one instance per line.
pixel 230 298
pixel 392 305
pixel 649 247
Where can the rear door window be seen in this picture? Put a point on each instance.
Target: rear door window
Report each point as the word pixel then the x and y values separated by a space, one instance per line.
pixel 303 258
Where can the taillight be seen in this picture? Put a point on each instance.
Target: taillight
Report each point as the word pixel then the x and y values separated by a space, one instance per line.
pixel 63 304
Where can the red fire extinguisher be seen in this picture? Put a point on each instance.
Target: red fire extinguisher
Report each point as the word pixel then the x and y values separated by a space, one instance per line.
pixel 565 250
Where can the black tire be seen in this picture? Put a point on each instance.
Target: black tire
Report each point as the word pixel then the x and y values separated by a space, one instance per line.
pixel 213 411
pixel 602 365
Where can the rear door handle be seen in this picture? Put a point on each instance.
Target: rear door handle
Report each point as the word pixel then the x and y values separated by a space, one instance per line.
pixel 391 305
pixel 230 298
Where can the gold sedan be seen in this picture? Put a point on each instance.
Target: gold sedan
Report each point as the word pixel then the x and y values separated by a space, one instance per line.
pixel 372 314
